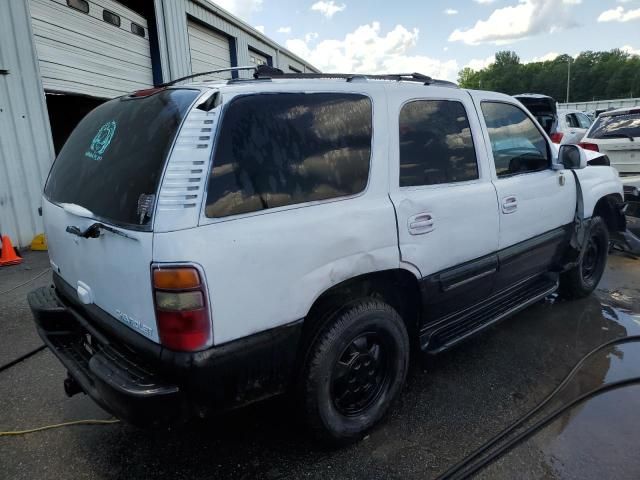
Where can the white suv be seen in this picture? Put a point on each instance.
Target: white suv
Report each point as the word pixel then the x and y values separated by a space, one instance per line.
pixel 214 244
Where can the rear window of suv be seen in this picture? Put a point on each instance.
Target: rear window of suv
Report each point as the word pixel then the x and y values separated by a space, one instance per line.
pixel 114 158
pixel 288 148
pixel 617 126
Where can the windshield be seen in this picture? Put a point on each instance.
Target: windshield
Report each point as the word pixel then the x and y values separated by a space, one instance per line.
pixel 112 162
pixel 609 126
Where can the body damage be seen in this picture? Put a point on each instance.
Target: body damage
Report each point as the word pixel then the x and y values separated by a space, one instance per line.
pixel 256 282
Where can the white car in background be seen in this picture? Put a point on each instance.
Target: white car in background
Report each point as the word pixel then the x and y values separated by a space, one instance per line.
pixel 572 126
pixel 616 133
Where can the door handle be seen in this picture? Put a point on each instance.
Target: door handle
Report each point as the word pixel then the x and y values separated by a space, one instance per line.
pixel 420 223
pixel 509 204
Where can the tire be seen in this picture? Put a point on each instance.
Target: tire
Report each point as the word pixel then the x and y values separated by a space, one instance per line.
pixel 355 369
pixel 582 279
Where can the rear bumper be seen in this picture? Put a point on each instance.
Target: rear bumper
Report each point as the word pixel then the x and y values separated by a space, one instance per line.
pixel 146 384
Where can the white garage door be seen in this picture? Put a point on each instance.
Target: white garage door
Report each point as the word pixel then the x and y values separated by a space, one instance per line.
pixel 257 58
pixel 209 51
pixel 86 52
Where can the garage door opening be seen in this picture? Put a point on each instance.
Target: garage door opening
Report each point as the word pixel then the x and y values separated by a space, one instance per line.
pixel 65 112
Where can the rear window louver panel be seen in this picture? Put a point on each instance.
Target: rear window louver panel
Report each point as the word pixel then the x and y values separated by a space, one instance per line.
pixel 186 172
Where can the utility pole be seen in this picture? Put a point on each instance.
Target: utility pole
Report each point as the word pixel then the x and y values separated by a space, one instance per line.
pixel 568 79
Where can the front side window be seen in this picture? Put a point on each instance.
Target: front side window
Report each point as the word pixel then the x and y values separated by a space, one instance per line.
pixel 289 148
pixel 435 144
pixel 517 144
pixel 583 120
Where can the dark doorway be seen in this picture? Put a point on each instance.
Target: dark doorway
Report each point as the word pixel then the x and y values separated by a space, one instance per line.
pixel 65 112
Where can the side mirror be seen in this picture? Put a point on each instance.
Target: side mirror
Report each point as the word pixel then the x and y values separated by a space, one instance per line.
pixel 572 157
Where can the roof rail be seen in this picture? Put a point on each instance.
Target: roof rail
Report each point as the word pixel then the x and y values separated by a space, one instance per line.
pixel 264 72
pixel 201 74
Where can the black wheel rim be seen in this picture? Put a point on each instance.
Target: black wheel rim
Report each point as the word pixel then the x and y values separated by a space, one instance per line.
pixel 591 259
pixel 361 373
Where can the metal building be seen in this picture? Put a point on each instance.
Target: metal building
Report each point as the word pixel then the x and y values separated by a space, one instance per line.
pixel 61 58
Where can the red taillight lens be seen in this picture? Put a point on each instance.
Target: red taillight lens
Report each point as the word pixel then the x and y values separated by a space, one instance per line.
pixel 557 137
pixel 589 146
pixel 184 331
pixel 181 308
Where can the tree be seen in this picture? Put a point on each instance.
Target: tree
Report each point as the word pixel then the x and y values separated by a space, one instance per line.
pixel 594 75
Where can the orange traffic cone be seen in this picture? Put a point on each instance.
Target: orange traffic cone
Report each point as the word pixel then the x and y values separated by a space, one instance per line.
pixel 8 256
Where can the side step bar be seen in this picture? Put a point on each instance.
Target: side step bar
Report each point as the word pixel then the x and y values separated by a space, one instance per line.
pixel 460 326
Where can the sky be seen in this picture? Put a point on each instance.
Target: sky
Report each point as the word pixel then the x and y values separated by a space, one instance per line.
pixel 439 38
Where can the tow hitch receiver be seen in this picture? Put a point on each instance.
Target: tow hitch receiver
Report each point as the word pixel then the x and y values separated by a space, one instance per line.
pixel 71 386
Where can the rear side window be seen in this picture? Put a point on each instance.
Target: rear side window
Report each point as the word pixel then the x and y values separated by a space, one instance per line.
pixel 617 126
pixel 517 144
pixel 282 149
pixel 114 158
pixel 435 144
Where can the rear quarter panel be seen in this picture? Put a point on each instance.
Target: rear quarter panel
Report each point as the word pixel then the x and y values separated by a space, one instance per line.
pixel 265 269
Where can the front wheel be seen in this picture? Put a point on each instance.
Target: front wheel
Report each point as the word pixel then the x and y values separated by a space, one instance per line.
pixel 582 279
pixel 355 369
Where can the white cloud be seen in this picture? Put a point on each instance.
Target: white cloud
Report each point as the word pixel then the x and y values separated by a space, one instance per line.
pixel 516 22
pixel 241 8
pixel 328 9
pixel 451 11
pixel 547 57
pixel 630 50
pixel 284 30
pixel 368 50
pixel 480 63
pixel 484 2
pixel 260 28
pixel 310 37
pixel 619 14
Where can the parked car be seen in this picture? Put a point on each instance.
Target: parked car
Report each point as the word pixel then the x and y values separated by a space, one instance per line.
pixel 214 244
pixel 563 126
pixel 617 134
pixel 572 125
pixel 544 108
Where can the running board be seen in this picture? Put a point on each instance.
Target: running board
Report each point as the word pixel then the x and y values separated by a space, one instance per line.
pixel 461 325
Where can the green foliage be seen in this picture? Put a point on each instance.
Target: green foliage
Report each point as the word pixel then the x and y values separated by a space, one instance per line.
pixel 594 76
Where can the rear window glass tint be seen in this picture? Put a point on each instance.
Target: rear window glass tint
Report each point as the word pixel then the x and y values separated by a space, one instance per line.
pixel 611 126
pixel 116 154
pixel 435 144
pixel 283 149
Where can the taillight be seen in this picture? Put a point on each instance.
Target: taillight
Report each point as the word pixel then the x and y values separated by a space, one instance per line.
pixel 181 308
pixel 557 137
pixel 589 146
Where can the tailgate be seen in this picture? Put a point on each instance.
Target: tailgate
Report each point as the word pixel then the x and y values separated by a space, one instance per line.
pixel 106 179
pixel 111 271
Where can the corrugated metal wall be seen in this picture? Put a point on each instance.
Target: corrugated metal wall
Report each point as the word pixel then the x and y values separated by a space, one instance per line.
pixel 174 24
pixel 26 150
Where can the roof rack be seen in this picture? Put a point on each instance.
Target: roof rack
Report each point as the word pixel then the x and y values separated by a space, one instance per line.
pixel 210 72
pixel 266 72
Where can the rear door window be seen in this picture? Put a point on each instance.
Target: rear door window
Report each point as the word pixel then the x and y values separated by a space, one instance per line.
pixel 289 148
pixel 617 126
pixel 435 144
pixel 114 158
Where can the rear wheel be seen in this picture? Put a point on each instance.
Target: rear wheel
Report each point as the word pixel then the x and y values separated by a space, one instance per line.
pixel 355 370
pixel 582 279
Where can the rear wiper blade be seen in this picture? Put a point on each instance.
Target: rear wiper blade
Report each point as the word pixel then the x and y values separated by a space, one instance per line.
pixel 619 135
pixel 93 231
